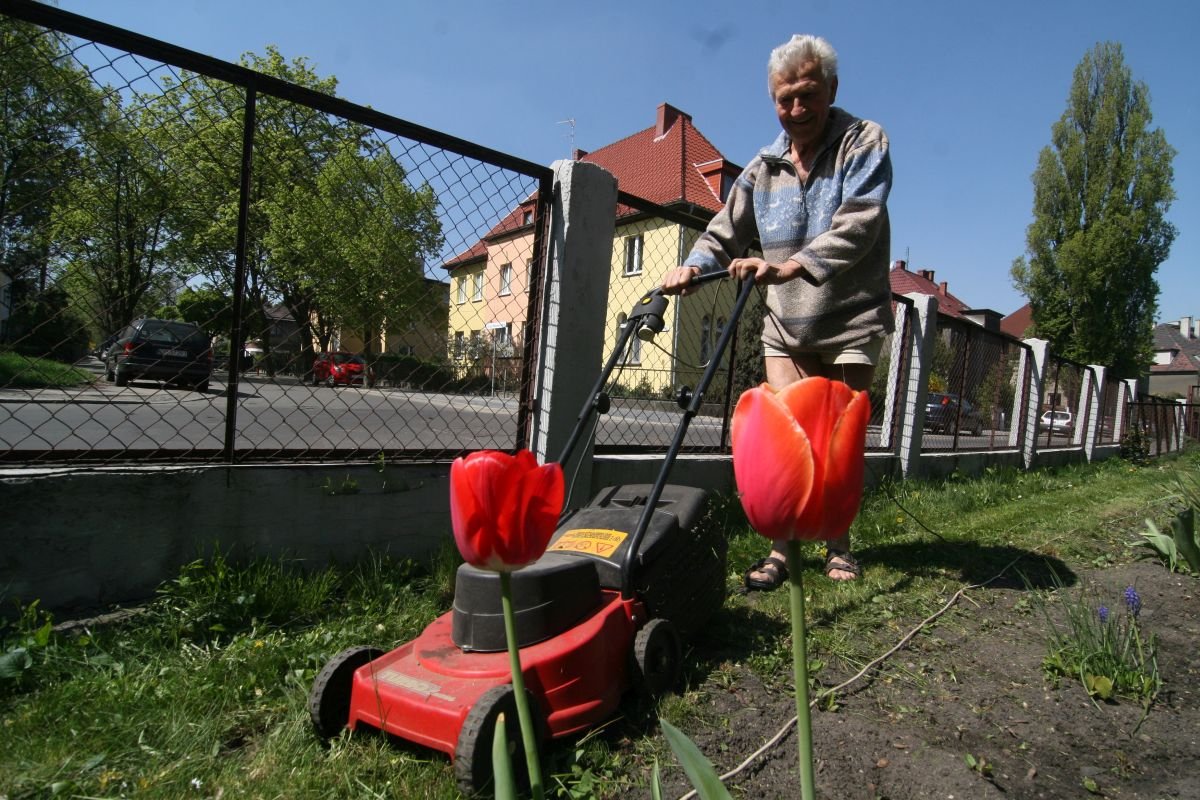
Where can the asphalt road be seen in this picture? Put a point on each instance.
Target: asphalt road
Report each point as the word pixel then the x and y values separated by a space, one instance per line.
pixel 284 414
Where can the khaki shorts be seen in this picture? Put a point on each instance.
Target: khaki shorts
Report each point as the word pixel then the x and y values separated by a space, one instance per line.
pixel 867 354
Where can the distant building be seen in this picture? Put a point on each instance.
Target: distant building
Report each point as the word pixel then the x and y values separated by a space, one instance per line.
pixel 1176 368
pixel 670 163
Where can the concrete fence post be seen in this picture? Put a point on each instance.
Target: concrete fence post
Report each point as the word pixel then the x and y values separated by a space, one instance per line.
pixel 1094 387
pixel 583 217
pixel 1040 349
pixel 920 362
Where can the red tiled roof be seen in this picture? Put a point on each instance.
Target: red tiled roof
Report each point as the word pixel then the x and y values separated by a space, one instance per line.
pixel 1018 323
pixel 905 282
pixel 662 168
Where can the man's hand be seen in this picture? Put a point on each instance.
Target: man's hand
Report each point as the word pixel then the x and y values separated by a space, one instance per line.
pixel 679 280
pixel 764 272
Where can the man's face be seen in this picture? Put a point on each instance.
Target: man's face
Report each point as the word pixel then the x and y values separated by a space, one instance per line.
pixel 802 102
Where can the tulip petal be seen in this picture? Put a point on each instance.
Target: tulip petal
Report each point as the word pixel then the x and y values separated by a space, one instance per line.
pixel 844 466
pixel 772 463
pixel 504 508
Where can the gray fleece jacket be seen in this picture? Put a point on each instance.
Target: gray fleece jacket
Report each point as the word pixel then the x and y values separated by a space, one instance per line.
pixel 835 225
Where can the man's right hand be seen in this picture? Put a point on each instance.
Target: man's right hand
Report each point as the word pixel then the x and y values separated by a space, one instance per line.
pixel 679 281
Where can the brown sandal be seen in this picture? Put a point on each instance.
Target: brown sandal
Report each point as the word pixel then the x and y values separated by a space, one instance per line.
pixel 774 568
pixel 845 563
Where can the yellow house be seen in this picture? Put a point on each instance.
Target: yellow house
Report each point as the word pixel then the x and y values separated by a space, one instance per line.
pixel 669 164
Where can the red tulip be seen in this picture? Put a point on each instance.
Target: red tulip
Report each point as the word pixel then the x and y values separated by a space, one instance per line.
pixel 798 457
pixel 504 508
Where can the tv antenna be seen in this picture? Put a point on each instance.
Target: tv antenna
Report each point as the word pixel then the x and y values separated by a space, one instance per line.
pixel 571 136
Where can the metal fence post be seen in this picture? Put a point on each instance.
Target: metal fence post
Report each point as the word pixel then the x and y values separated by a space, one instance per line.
pixel 582 222
pixel 236 334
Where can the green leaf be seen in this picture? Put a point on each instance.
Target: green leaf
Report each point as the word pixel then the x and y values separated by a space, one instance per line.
pixel 655 783
pixel 1184 529
pixel 1099 686
pixel 506 785
pixel 698 768
pixel 14 662
pixel 1091 786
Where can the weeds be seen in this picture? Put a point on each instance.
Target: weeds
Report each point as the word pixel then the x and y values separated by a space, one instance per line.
pixel 1105 649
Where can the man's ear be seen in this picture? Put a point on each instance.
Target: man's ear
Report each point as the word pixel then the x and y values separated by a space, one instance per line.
pixel 833 90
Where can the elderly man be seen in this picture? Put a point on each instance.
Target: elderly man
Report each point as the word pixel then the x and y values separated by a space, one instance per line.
pixel 816 200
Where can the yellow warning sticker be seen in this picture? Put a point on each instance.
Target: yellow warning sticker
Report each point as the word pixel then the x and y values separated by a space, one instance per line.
pixel 599 541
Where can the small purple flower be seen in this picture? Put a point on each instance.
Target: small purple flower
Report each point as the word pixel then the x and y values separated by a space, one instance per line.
pixel 1103 615
pixel 1132 601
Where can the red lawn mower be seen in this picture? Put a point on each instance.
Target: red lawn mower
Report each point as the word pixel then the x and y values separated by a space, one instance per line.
pixel 624 581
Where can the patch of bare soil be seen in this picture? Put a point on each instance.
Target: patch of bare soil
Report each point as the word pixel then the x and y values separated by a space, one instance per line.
pixel 972 684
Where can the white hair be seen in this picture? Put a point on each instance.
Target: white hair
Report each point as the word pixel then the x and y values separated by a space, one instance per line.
pixel 801 49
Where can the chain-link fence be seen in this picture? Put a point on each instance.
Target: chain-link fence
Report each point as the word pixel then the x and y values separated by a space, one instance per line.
pixel 212 261
pixel 975 395
pixel 204 261
pixel 1066 406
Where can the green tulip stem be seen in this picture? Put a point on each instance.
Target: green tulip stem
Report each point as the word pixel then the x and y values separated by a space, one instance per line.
pixel 800 669
pixel 518 684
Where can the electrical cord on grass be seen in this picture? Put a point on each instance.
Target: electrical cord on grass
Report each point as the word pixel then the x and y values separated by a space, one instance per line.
pixel 774 740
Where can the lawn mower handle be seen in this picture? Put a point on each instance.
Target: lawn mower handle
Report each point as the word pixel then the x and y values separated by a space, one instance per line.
pixel 692 409
pixel 645 320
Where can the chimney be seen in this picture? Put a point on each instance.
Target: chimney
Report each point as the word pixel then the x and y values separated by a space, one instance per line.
pixel 927 274
pixel 1186 329
pixel 578 154
pixel 900 265
pixel 942 288
pixel 667 115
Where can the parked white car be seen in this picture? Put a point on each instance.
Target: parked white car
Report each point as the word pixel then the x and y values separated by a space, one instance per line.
pixel 1059 422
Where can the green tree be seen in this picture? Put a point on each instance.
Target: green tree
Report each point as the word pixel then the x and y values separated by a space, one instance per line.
pixel 1101 193
pixel 111 236
pixel 366 235
pixel 41 96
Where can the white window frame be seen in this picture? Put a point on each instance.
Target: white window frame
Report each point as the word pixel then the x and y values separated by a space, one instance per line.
pixel 633 349
pixel 477 287
pixel 633 255
pixel 506 273
pixel 460 294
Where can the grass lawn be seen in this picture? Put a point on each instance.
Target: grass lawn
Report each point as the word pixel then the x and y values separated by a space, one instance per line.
pixel 202 692
pixel 21 372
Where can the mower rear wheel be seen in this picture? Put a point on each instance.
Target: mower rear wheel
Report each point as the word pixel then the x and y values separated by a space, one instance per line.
pixel 473 753
pixel 329 700
pixel 657 657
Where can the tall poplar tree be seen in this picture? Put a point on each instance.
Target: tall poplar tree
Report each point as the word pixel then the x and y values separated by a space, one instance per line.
pixel 1100 197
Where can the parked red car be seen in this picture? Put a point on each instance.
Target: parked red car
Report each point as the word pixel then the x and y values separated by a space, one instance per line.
pixel 342 369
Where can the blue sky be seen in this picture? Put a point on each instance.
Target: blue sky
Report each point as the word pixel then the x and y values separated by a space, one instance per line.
pixel 966 91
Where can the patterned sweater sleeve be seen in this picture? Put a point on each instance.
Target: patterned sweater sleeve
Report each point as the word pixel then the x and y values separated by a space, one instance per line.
pixel 866 183
pixel 731 232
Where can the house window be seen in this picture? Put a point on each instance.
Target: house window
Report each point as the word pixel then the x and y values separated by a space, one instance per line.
pixel 527 218
pixel 460 290
pixel 633 352
pixel 460 345
pixel 705 339
pixel 506 279
pixel 476 345
pixel 477 287
pixel 633 255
